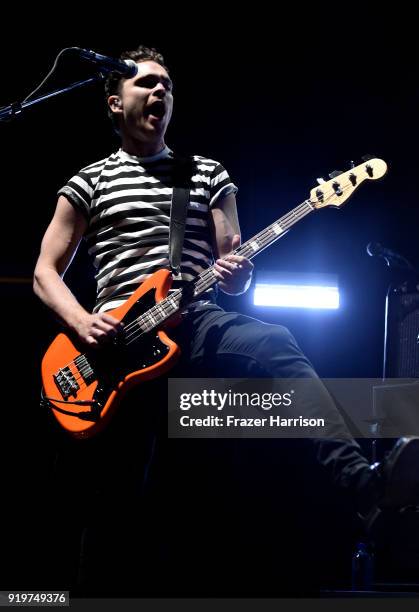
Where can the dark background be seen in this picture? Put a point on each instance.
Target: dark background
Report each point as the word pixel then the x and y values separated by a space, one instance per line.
pixel 280 99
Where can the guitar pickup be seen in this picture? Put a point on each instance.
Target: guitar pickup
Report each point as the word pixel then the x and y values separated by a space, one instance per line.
pixel 85 369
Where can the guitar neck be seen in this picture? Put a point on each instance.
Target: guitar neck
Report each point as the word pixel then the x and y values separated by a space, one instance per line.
pixel 180 298
pixel 256 244
pixel 274 231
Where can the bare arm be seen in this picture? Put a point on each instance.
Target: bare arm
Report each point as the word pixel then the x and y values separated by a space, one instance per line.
pixel 58 248
pixel 234 272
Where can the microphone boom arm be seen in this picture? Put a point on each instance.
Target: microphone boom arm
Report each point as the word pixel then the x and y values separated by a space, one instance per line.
pixel 14 110
pixel 392 258
pixel 103 63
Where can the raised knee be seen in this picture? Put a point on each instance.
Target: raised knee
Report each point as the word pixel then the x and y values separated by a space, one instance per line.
pixel 278 336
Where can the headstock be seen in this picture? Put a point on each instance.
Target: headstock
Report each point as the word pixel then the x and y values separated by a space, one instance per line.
pixel 341 186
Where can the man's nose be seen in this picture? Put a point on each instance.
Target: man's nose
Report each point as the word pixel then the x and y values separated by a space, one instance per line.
pixel 159 90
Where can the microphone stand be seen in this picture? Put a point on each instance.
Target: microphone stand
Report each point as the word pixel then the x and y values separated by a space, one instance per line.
pixel 14 110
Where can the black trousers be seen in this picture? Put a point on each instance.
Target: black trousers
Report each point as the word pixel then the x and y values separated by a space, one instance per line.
pixel 155 511
pixel 216 343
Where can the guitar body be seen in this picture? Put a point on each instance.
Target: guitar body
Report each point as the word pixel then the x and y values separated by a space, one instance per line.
pixel 84 387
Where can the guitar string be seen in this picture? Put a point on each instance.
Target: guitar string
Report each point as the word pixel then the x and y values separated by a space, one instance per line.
pixel 206 275
pixel 295 215
pixel 206 272
pixel 78 378
pixel 209 275
pixel 305 208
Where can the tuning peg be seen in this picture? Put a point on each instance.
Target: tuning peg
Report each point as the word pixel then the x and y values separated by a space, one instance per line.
pixel 367 157
pixel 320 181
pixel 335 173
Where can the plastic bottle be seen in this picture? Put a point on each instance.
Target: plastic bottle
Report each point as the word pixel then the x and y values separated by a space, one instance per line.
pixel 362 568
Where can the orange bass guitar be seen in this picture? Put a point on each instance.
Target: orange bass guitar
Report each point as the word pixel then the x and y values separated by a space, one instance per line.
pixel 84 387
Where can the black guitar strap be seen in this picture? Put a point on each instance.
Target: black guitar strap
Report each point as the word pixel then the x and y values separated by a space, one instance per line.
pixel 182 176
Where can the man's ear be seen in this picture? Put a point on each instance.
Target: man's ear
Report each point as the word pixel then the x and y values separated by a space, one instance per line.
pixel 115 103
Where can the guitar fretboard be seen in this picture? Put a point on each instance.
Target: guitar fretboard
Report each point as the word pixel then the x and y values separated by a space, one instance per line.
pixel 180 298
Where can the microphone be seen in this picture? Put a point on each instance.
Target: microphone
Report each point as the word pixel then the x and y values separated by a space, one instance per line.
pixel 127 68
pixel 393 259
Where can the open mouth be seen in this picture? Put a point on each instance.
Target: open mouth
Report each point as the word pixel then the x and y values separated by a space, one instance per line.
pixel 157 110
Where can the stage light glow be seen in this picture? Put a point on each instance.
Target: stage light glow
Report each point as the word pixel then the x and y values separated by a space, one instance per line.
pixel 296 296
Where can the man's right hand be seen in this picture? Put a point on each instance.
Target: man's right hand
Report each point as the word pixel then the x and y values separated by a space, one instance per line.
pixel 97 329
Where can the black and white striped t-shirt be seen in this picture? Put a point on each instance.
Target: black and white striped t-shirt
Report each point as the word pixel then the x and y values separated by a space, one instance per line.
pixel 126 200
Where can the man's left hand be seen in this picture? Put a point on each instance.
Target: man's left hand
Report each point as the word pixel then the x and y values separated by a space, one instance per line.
pixel 234 272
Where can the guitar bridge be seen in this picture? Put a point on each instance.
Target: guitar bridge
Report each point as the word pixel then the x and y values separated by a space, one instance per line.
pixel 66 382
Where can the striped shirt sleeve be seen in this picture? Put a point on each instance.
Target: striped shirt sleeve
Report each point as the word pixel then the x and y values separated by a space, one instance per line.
pixel 79 191
pixel 221 184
